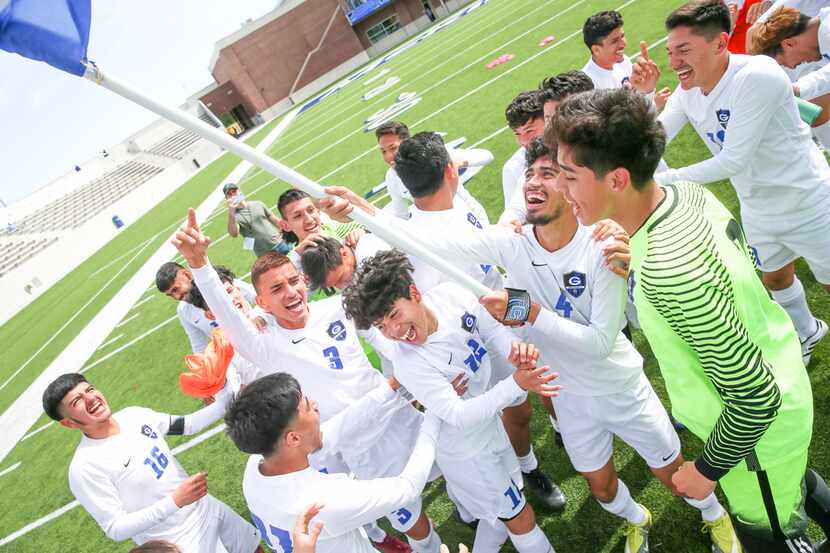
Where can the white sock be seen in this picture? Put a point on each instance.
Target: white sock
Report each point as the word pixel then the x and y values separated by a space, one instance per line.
pixel 529 462
pixel 822 132
pixel 709 507
pixel 794 302
pixel 430 544
pixel 623 505
pixel 490 536
pixel 534 541
pixel 375 532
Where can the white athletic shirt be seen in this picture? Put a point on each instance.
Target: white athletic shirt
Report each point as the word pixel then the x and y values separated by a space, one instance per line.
pixel 578 330
pixel 327 359
pixel 460 220
pixel 197 326
pixel 807 7
pixel 276 501
pixel 750 123
pixel 126 481
pixel 512 179
pixel 400 198
pixel 466 338
pixel 616 77
pixel 817 83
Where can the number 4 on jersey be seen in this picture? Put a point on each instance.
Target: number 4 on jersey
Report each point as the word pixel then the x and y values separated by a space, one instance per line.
pixel 563 305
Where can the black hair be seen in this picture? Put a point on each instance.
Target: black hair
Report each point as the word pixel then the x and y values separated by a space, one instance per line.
pixel 376 285
pixel 524 108
pixel 317 260
pixel 706 18
pixel 258 417
pixel 289 197
pixel 610 129
pixel 392 127
pixel 55 392
pixel 599 26
pixel 420 163
pixel 166 275
pixel 195 297
pixel 536 149
pixel 560 86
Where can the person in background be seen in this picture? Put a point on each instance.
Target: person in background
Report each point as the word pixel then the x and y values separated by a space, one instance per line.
pixel 253 220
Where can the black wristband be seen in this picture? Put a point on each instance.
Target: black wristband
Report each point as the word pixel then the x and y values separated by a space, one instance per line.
pixel 518 306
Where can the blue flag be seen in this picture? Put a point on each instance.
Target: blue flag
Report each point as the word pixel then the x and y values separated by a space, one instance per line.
pixel 54 31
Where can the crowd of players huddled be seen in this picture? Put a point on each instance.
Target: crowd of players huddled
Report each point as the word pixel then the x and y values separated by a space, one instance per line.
pixel 598 235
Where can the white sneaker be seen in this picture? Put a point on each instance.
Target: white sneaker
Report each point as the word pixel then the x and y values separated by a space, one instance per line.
pixel 809 343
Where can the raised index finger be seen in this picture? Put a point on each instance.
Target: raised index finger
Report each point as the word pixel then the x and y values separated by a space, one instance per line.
pixel 644 50
pixel 191 219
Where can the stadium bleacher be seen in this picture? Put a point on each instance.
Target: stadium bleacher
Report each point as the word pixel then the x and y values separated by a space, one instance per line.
pixel 175 145
pixel 77 207
pixel 15 252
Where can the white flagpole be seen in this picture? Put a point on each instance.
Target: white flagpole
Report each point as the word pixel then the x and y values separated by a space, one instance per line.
pixel 406 243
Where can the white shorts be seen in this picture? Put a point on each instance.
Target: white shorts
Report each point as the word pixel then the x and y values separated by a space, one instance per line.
pixel 588 425
pixel 778 245
pixel 487 486
pixel 219 529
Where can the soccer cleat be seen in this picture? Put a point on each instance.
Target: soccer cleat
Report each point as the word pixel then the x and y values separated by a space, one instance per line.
pixel 549 493
pixel 391 544
pixel 809 343
pixel 636 535
pixel 724 539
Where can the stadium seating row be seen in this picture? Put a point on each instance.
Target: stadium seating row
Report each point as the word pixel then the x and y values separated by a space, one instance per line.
pixel 14 253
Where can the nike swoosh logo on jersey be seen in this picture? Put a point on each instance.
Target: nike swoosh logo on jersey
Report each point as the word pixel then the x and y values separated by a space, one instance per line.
pixel 669 456
pixel 297 341
pixel 128 462
pixel 538 264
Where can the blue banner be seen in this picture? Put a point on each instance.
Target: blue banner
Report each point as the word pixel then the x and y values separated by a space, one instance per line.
pixel 366 9
pixel 53 31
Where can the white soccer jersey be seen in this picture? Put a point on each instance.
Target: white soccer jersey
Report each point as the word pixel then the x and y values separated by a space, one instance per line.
pixel 126 481
pixel 512 179
pixel 617 77
pixel 198 327
pixel 276 501
pixel 466 338
pixel 807 7
pixel 401 199
pixel 578 331
pixel 327 359
pixel 817 82
pixel 750 123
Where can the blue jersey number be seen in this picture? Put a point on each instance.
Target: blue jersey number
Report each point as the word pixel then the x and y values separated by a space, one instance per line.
pixel 403 515
pixel 563 305
pixel 276 538
pixel 514 494
pixel 157 461
pixel 473 360
pixel 333 357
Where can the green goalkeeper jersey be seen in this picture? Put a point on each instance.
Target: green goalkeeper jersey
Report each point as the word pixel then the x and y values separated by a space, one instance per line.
pixel 729 355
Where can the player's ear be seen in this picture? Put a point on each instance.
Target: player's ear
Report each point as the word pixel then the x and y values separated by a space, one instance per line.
pixel 260 302
pixel 67 423
pixel 283 225
pixel 618 179
pixel 209 315
pixel 414 293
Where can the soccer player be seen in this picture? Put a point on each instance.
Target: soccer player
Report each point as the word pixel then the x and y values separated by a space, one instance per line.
pixel 279 425
pixel 320 347
pixel 390 135
pixel 728 354
pixel 577 313
pixel 441 334
pixel 557 88
pixel 175 281
pixel 742 107
pixel 526 118
pixel 125 476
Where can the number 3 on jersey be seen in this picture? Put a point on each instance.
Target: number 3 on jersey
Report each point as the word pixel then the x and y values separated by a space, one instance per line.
pixel 563 305
pixel 333 357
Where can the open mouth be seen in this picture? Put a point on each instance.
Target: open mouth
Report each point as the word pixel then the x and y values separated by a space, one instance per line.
pixel 409 335
pixel 535 199
pixel 97 408
pixel 685 75
pixel 297 306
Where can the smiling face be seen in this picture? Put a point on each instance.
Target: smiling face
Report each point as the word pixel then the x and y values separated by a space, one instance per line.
pixel 590 197
pixel 534 128
pixel 408 320
pixel 611 50
pixel 237 299
pixel 281 291
pixel 545 203
pixel 696 61
pixel 181 285
pixel 301 217
pixel 388 144
pixel 84 407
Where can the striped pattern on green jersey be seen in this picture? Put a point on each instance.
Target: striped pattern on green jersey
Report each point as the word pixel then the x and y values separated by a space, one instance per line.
pixel 684 277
